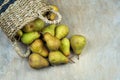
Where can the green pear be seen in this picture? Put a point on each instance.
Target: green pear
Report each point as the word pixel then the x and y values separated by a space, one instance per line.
pixel 65 46
pixel 52 42
pixel 50 29
pixel 29 27
pixel 61 31
pixel 44 52
pixel 36 61
pixel 37 46
pixel 56 57
pixel 77 42
pixel 38 24
pixel 19 33
pixel 28 38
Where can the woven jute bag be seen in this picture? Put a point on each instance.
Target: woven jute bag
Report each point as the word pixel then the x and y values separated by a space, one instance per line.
pixel 19 14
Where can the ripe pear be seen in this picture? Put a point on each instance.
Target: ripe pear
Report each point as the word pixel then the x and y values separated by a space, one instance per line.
pixel 52 42
pixel 50 29
pixel 44 52
pixel 38 24
pixel 51 16
pixel 77 42
pixel 28 38
pixel 56 57
pixel 29 27
pixel 37 46
pixel 19 33
pixel 65 46
pixel 36 61
pixel 62 31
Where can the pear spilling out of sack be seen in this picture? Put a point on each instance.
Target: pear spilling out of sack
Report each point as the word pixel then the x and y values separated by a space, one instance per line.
pixel 28 38
pixel 61 31
pixel 50 29
pixel 36 25
pixel 65 46
pixel 56 57
pixel 36 61
pixel 52 42
pixel 78 42
pixel 36 46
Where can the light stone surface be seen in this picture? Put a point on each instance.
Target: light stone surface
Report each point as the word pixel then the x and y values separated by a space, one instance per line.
pixel 99 22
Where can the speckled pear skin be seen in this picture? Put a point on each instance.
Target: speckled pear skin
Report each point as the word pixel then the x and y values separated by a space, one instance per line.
pixel 77 42
pixel 52 42
pixel 65 46
pixel 56 57
pixel 28 38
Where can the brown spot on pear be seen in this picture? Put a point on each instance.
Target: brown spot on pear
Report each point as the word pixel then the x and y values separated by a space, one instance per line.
pixel 36 61
pixel 29 27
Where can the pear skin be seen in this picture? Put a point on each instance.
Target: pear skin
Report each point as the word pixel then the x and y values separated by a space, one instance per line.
pixel 44 52
pixel 37 46
pixel 61 31
pixel 38 24
pixel 52 42
pixel 19 33
pixel 36 61
pixel 65 46
pixel 54 7
pixel 29 27
pixel 56 57
pixel 50 29
pixel 77 42
pixel 28 38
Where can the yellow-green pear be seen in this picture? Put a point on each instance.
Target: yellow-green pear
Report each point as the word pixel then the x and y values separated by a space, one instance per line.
pixel 56 57
pixel 19 33
pixel 44 52
pixel 29 27
pixel 50 29
pixel 52 42
pixel 37 46
pixel 62 31
pixel 38 24
pixel 28 38
pixel 36 61
pixel 77 42
pixel 65 46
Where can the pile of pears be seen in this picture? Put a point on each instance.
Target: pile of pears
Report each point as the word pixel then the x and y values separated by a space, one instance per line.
pixel 49 44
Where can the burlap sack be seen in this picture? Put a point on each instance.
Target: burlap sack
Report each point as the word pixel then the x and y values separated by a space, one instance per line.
pixel 20 13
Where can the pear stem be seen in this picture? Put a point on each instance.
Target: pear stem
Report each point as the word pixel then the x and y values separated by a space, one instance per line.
pixel 70 60
pixel 78 57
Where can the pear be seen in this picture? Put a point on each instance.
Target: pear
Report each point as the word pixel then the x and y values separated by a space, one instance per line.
pixel 77 42
pixel 65 46
pixel 44 52
pixel 36 61
pixel 50 29
pixel 61 31
pixel 54 7
pixel 38 24
pixel 52 42
pixel 37 46
pixel 28 38
pixel 51 16
pixel 29 27
pixel 56 57
pixel 19 33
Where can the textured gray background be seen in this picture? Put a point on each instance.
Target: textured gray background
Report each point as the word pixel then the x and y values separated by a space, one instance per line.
pixel 99 21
